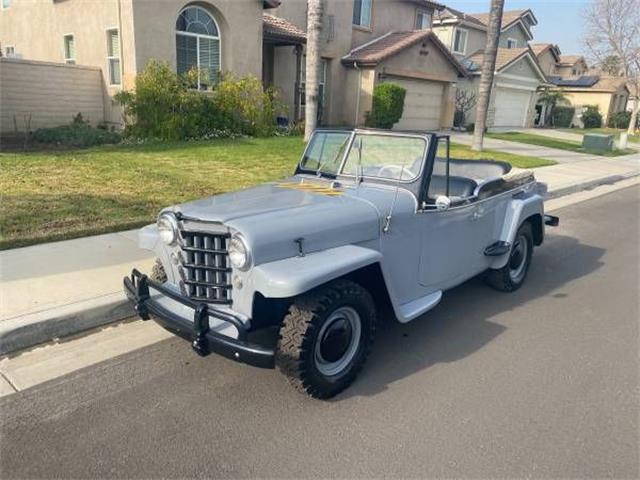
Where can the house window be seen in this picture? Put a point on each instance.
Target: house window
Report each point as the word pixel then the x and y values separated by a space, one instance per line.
pixel 362 13
pixel 113 56
pixel 198 45
pixel 512 43
pixel 460 41
pixel 423 20
pixel 69 49
pixel 322 82
pixel 6 4
pixel 9 51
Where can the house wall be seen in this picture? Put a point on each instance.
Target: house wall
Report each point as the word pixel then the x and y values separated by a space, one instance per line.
pixel 515 32
pixel 239 21
pixel 387 15
pixel 67 91
pixel 36 30
pixel 547 63
pixel 603 100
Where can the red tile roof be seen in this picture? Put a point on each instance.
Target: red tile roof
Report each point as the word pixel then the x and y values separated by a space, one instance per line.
pixel 280 28
pixel 392 43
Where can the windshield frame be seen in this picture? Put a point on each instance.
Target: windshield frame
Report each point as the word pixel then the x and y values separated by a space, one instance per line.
pixel 374 132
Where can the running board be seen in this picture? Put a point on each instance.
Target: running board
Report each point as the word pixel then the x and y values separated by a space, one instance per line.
pixel 409 311
pixel 497 249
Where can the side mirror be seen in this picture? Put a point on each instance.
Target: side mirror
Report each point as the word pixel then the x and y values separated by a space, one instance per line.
pixel 443 202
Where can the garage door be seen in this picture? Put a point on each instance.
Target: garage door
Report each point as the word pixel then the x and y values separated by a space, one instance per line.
pixel 422 105
pixel 511 107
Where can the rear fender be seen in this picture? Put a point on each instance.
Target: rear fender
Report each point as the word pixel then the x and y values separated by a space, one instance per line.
pixel 519 210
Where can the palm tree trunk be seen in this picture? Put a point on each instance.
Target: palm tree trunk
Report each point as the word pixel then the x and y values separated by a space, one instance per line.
pixel 312 87
pixel 488 68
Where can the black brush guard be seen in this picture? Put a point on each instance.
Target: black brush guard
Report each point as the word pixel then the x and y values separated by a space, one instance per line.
pixel 203 340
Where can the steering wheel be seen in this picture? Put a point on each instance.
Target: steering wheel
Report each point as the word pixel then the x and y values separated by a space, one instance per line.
pixel 394 171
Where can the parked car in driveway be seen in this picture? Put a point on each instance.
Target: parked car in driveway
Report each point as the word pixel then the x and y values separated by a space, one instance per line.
pixel 371 221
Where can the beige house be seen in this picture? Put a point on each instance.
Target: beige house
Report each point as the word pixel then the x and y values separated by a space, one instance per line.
pixel 121 36
pixel 609 94
pixel 365 42
pixel 548 56
pixel 518 74
pixel 571 66
pixel 264 38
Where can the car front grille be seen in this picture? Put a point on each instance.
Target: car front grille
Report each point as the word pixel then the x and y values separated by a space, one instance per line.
pixel 206 272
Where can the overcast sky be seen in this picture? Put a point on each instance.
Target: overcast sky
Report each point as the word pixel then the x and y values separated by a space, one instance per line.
pixel 559 21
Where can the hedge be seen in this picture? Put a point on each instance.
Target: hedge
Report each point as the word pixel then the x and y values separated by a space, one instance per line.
pixel 388 105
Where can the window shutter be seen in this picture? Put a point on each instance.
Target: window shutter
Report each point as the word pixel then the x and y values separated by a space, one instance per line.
pixel 209 60
pixel 113 43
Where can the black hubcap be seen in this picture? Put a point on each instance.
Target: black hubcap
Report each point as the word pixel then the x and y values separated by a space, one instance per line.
pixel 336 340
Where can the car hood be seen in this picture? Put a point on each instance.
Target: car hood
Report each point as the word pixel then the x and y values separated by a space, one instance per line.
pixel 273 216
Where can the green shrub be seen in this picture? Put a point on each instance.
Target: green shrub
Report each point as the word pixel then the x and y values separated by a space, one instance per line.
pixel 165 106
pixel 388 104
pixel 591 117
pixel 619 120
pixel 562 116
pixel 77 134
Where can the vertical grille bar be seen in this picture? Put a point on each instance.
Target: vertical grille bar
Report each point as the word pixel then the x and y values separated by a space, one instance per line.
pixel 205 265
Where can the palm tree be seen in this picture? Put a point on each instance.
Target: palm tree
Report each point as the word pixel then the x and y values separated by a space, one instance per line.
pixel 312 86
pixel 550 98
pixel 488 67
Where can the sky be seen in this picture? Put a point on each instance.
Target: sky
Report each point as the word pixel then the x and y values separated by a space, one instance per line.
pixel 559 21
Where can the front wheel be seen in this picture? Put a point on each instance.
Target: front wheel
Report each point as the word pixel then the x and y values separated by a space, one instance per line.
pixel 326 337
pixel 511 277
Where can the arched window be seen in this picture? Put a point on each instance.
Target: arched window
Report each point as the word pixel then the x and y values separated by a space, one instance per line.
pixel 198 45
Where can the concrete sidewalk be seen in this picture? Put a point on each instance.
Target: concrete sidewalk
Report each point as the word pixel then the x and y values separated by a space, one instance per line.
pixel 525 149
pixel 53 290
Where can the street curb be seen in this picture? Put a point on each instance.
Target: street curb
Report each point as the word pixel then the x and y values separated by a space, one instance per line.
pixel 26 331
pixel 591 184
pixel 32 329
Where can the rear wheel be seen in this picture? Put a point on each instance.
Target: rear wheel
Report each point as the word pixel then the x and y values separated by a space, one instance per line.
pixel 511 277
pixel 326 337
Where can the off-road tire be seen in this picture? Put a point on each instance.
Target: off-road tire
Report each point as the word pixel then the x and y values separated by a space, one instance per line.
pixel 302 324
pixel 501 278
pixel 157 272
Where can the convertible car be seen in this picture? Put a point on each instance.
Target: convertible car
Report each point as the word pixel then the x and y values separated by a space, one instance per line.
pixel 372 224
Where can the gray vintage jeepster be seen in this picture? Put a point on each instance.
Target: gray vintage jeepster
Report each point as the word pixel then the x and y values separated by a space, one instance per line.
pixel 372 221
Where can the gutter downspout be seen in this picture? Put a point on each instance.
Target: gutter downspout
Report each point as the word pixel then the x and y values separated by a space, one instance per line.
pixel 355 65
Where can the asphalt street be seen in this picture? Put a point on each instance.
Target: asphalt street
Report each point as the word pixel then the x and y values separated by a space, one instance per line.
pixel 540 383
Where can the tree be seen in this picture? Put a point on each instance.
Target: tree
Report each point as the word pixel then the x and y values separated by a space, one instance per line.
pixel 465 101
pixel 312 86
pixel 611 65
pixel 613 29
pixel 488 67
pixel 550 98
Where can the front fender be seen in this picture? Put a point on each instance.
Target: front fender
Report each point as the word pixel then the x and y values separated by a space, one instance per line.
pixel 296 275
pixel 518 210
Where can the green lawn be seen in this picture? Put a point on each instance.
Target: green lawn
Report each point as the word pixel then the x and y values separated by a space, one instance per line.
pixel 64 194
pixel 611 131
pixel 549 142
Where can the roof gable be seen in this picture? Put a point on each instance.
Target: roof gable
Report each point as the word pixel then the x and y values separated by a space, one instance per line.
pixel 505 58
pixel 392 43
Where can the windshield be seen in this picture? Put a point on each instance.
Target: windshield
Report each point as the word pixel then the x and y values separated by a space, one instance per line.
pixel 386 156
pixel 325 151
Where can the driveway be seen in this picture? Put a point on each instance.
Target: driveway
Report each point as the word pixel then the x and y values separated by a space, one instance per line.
pixel 541 383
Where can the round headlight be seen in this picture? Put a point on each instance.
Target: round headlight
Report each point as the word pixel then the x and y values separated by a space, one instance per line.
pixel 239 253
pixel 168 228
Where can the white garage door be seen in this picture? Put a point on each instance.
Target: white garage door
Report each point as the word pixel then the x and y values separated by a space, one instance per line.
pixel 422 104
pixel 511 107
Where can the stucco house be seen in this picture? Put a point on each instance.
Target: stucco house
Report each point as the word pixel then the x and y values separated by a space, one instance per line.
pixel 364 42
pixel 548 56
pixel 518 74
pixel 571 66
pixel 609 94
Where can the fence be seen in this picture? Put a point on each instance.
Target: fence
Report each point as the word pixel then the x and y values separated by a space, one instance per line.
pixel 41 94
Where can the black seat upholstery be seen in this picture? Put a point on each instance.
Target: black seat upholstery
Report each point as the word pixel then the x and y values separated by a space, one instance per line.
pixel 458 186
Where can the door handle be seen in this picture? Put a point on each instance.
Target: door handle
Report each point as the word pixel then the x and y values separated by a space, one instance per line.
pixel 477 214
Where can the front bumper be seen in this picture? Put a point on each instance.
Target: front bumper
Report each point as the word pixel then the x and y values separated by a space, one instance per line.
pixel 203 340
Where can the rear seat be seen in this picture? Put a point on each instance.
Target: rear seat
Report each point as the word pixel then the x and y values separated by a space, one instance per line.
pixel 460 187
